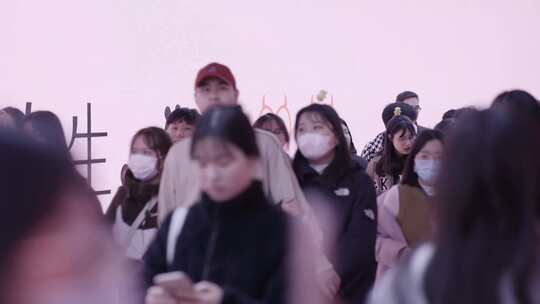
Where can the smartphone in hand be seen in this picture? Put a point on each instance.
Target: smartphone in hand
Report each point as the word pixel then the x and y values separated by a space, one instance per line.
pixel 171 281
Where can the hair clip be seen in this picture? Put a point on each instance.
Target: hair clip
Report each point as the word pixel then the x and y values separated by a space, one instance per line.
pixel 397 111
pixel 322 95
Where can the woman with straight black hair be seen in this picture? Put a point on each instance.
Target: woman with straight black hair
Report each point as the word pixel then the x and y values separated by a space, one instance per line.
pixel 386 169
pixel 375 146
pixel 12 118
pixel 45 129
pixel 405 211
pixel 518 101
pixel 488 208
pixel 53 250
pixel 231 246
pixel 342 197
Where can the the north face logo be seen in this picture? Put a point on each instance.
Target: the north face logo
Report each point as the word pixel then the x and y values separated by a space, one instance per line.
pixel 370 214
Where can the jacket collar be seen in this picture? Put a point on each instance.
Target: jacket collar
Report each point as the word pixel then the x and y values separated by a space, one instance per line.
pixel 249 198
pixel 304 171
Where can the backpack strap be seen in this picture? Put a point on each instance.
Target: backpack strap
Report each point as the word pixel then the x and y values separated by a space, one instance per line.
pixel 139 220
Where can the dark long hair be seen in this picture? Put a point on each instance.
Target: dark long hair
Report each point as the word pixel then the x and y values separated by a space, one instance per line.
pixel 32 179
pixel 391 163
pixel 518 101
pixel 48 126
pixel 353 147
pixel 410 177
pixel 268 117
pixel 16 114
pixel 342 158
pixel 489 194
pixel 228 124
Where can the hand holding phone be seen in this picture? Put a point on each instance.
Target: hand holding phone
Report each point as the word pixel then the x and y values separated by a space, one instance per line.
pixel 177 284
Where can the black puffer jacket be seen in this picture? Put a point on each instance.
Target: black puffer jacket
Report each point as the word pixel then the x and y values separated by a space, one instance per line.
pixel 241 245
pixel 345 204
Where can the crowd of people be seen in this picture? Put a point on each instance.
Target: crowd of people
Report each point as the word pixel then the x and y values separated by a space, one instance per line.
pixel 212 209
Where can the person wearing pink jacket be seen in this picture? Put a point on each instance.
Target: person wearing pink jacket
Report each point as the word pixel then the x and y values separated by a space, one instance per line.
pixel 404 212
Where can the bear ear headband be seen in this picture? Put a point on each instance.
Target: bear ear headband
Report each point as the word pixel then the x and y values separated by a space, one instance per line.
pixel 397 111
pixel 168 110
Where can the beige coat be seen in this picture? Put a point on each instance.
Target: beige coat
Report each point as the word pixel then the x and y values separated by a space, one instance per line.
pixel 180 181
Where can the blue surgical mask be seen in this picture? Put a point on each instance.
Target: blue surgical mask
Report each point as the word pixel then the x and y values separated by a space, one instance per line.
pixel 427 170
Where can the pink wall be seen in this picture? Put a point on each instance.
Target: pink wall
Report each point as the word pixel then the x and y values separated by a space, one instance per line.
pixel 131 58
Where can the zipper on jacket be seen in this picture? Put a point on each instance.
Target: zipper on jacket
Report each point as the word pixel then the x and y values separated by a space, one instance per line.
pixel 211 248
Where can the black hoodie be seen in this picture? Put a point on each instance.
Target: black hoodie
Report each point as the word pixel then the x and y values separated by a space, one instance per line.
pixel 241 245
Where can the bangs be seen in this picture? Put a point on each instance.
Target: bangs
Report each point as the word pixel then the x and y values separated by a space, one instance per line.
pixel 316 117
pixel 210 147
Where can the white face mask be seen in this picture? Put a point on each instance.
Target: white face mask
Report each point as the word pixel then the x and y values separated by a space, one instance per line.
pixel 427 170
pixel 143 167
pixel 314 145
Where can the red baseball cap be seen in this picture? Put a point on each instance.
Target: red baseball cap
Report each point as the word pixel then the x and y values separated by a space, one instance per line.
pixel 216 70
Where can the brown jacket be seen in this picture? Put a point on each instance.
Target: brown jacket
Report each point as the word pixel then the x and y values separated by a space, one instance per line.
pixel 415 215
pixel 405 220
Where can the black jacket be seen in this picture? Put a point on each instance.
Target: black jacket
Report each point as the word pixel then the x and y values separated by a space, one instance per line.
pixel 360 161
pixel 241 245
pixel 133 196
pixel 347 200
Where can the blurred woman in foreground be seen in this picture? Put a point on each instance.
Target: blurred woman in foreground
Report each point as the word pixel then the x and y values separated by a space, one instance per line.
pixel 55 250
